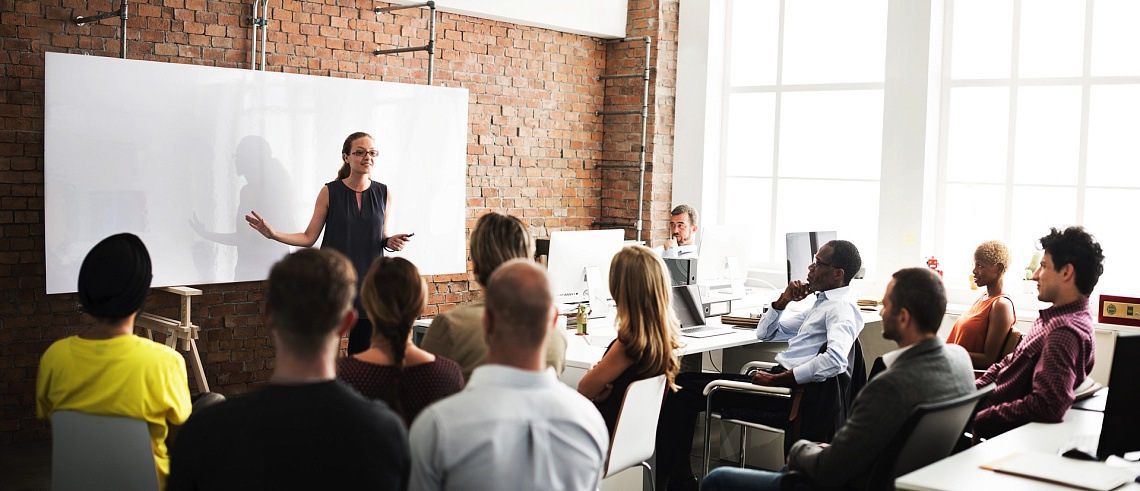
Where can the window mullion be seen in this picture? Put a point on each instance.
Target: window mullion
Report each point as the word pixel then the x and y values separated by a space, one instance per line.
pixel 1011 141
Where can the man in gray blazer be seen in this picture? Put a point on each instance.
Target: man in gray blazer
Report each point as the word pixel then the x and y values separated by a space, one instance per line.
pixel 922 370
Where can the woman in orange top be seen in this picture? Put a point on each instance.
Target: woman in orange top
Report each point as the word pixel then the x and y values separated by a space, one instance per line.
pixel 983 328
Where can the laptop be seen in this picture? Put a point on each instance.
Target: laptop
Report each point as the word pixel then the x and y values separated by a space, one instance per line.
pixel 688 306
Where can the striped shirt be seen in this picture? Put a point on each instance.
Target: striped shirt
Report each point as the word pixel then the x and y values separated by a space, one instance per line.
pixel 1035 383
pixel 833 319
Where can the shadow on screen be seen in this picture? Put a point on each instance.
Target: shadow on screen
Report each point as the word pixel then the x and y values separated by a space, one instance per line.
pixel 266 188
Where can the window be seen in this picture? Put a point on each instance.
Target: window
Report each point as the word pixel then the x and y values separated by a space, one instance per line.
pixel 1040 117
pixel 802 121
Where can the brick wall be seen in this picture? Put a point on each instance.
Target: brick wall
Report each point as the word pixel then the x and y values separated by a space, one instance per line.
pixel 532 145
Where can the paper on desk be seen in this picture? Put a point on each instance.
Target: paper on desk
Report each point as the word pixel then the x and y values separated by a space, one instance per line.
pixel 1081 474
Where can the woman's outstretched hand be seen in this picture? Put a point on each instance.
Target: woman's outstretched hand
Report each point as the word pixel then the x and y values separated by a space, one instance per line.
pixel 260 225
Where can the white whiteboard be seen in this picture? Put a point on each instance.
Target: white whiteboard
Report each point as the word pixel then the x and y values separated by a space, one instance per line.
pixel 178 154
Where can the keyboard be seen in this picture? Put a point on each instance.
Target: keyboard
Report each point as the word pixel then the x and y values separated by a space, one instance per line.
pixel 705 331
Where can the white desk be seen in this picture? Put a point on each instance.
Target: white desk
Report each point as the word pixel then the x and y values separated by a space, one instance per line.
pixel 961 471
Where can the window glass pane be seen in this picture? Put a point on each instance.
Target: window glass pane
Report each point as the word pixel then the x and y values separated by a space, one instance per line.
pixel 982 39
pixel 751 133
pixel 1035 209
pixel 1115 37
pixel 755 40
pixel 834 41
pixel 1104 210
pixel 834 134
pixel 1052 38
pixel 975 213
pixel 978 135
pixel 1114 136
pixel 851 209
pixel 748 201
pixel 1048 135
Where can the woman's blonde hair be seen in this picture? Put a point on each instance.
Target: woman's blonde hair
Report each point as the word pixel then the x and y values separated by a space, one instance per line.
pixel 641 289
pixel 393 296
pixel 994 252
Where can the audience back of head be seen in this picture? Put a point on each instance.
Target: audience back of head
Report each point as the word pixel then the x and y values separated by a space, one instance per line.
pixel 641 289
pixel 114 278
pixel 496 239
pixel 310 291
pixel 920 291
pixel 518 298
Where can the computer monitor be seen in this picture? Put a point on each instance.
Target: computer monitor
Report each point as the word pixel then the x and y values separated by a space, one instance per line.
pixel 571 253
pixel 1120 432
pixel 802 247
pixel 723 248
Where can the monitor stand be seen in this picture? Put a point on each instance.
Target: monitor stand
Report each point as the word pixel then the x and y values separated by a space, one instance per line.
pixel 596 293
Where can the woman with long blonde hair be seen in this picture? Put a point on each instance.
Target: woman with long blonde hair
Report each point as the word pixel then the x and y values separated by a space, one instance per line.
pixel 393 369
pixel 647 331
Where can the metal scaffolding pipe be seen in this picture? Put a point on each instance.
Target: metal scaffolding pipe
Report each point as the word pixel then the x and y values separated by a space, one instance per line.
pixel 254 22
pixel 121 13
pixel 429 47
pixel 644 112
pixel 264 30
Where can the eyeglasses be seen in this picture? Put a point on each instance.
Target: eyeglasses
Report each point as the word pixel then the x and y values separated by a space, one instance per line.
pixel 361 153
pixel 817 262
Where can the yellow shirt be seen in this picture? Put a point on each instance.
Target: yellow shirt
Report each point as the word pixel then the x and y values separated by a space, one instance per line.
pixel 123 376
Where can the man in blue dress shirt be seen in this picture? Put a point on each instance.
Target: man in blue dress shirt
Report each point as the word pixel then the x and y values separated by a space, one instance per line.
pixel 819 341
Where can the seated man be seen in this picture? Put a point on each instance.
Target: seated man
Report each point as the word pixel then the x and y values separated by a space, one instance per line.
pixel 682 233
pixel 514 426
pixel 819 340
pixel 458 333
pixel 922 370
pixel 305 430
pixel 1035 383
pixel 106 369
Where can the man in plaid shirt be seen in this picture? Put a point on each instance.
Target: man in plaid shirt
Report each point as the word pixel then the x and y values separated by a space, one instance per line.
pixel 1035 383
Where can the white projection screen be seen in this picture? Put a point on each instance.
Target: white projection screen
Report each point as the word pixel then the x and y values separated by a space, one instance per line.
pixel 178 154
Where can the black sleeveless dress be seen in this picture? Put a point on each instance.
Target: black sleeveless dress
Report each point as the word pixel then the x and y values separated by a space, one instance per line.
pixel 612 405
pixel 357 232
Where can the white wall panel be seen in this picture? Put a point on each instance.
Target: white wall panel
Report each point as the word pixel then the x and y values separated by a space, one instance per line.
pixel 178 154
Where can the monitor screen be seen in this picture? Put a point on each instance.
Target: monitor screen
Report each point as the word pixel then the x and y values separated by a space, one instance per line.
pixel 802 247
pixel 1120 433
pixel 571 252
pixel 718 244
pixel 688 306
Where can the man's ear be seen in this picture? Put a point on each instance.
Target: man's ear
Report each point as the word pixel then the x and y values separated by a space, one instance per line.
pixel 347 323
pixel 903 318
pixel 1068 273
pixel 488 323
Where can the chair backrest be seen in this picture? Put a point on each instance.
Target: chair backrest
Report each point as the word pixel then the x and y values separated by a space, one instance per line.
pixel 1012 339
pixel 927 436
pixel 635 432
pixel 92 452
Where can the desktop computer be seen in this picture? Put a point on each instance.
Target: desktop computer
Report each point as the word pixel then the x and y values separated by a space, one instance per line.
pixel 1120 432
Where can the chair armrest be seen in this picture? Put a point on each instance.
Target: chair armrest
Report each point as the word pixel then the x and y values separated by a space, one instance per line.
pixel 747 387
pixel 765 365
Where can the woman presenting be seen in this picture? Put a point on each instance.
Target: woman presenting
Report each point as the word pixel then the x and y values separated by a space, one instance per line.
pixel 351 210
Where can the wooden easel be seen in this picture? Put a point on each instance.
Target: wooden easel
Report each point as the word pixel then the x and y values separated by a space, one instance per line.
pixel 178 330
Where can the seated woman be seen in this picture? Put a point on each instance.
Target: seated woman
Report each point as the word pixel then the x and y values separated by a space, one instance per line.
pixel 647 331
pixel 982 329
pixel 393 369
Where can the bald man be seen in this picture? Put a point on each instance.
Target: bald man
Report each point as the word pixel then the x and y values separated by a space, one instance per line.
pixel 515 425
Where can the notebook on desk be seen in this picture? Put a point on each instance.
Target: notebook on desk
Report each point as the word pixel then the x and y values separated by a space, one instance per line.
pixel 1096 476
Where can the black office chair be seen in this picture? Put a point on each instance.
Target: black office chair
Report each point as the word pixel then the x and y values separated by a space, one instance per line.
pixel 927 436
pixel 816 411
